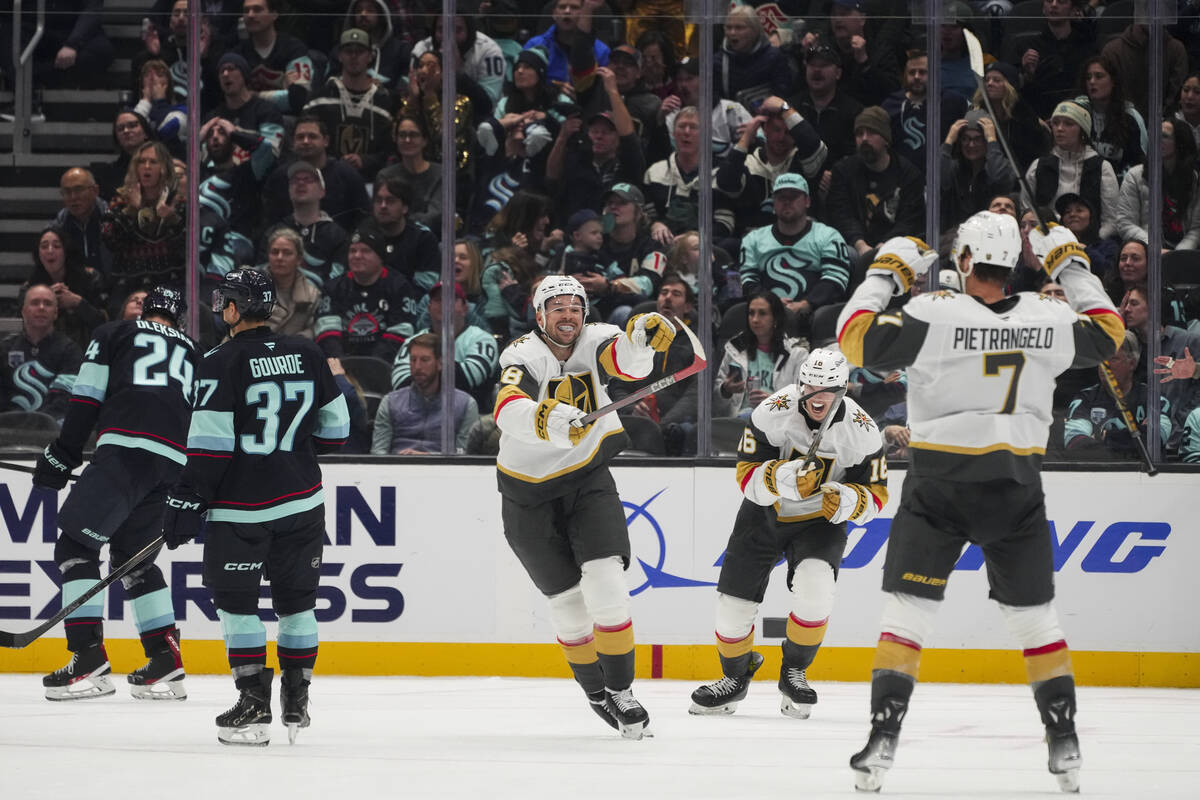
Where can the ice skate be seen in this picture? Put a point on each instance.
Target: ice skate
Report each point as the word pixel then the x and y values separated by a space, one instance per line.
pixel 84 677
pixel 723 696
pixel 293 702
pixel 870 763
pixel 798 697
pixel 1064 759
pixel 598 701
pixel 249 721
pixel 161 678
pixel 627 712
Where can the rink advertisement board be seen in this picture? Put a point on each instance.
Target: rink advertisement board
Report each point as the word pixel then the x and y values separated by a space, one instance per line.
pixel 416 565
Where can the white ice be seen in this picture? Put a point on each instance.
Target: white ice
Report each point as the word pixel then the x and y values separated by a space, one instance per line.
pixel 514 738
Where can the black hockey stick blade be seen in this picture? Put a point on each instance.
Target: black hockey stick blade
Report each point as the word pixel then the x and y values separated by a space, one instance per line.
pixel 810 457
pixel 18 640
pixel 1127 415
pixel 698 364
pixel 29 470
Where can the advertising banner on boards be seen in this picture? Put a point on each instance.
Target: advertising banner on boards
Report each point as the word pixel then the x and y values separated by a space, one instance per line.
pixel 417 554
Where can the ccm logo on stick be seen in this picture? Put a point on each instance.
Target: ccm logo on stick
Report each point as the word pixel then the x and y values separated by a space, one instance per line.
pixel 242 566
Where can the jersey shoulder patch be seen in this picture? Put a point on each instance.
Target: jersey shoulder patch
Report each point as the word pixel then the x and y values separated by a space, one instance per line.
pixel 773 415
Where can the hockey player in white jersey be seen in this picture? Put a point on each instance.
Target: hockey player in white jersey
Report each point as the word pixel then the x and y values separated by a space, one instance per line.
pixel 561 513
pixel 797 511
pixel 981 369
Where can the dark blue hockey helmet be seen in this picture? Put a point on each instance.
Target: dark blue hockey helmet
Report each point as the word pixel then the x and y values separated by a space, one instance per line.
pixel 251 292
pixel 166 302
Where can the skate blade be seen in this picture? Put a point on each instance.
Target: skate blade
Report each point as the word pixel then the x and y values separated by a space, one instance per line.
pixel 84 689
pixel 869 779
pixel 635 732
pixel 794 710
pixel 712 711
pixel 1068 781
pixel 162 690
pixel 293 731
pixel 257 735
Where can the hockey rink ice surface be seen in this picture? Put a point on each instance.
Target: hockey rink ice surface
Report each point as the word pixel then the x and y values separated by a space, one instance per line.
pixel 523 738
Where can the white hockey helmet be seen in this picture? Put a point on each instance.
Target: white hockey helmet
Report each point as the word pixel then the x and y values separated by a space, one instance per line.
pixel 556 286
pixel 987 238
pixel 825 369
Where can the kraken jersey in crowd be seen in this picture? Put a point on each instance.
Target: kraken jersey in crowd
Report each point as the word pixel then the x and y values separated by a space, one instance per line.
pixel 813 265
pixel 980 377
pixel 357 320
pixel 529 469
pixel 135 388
pixel 851 452
pixel 265 406
pixel 38 377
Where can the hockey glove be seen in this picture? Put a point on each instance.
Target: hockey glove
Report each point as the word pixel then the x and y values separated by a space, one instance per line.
pixel 183 518
pixel 904 260
pixel 841 502
pixel 53 468
pixel 651 330
pixel 555 423
pixel 1056 248
pixel 794 481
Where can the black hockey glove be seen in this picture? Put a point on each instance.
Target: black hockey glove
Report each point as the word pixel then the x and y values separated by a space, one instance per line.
pixel 53 468
pixel 183 518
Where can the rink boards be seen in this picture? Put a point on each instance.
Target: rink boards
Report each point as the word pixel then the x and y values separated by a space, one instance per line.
pixel 419 580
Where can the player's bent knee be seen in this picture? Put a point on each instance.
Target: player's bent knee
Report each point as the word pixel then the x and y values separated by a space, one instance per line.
pixel 143 580
pixel 605 591
pixel 75 558
pixel 909 616
pixel 1033 626
pixel 569 615
pixel 813 589
pixel 735 616
pixel 235 602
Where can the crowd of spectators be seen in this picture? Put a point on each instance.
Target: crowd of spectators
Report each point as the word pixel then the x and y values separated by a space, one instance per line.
pixel 577 150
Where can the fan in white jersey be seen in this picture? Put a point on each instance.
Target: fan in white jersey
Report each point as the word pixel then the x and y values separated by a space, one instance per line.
pixel 981 369
pixel 562 515
pixel 796 511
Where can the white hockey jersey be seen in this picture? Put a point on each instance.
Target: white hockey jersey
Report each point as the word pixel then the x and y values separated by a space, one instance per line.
pixel 980 377
pixel 531 469
pixel 851 452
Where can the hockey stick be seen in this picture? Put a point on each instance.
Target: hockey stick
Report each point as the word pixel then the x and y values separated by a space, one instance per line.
pixel 697 365
pixel 975 55
pixel 18 640
pixel 30 470
pixel 810 458
pixel 1130 423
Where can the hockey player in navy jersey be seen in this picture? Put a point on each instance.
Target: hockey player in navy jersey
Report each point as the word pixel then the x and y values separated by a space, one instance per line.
pixel 981 370
pixel 266 404
pixel 135 389
pixel 562 516
pixel 798 512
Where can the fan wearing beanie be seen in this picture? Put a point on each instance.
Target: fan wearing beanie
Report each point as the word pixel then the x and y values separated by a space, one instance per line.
pixel 875 194
pixel 1073 166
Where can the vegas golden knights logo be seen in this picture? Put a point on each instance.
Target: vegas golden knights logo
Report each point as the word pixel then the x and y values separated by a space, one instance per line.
pixel 577 390
pixel 351 140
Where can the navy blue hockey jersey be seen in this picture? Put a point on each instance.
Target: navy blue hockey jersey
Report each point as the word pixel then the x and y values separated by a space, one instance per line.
pixel 265 405
pixel 135 386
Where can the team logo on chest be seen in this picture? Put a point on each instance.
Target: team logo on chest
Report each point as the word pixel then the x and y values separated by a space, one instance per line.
pixel 574 389
pixel 779 403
